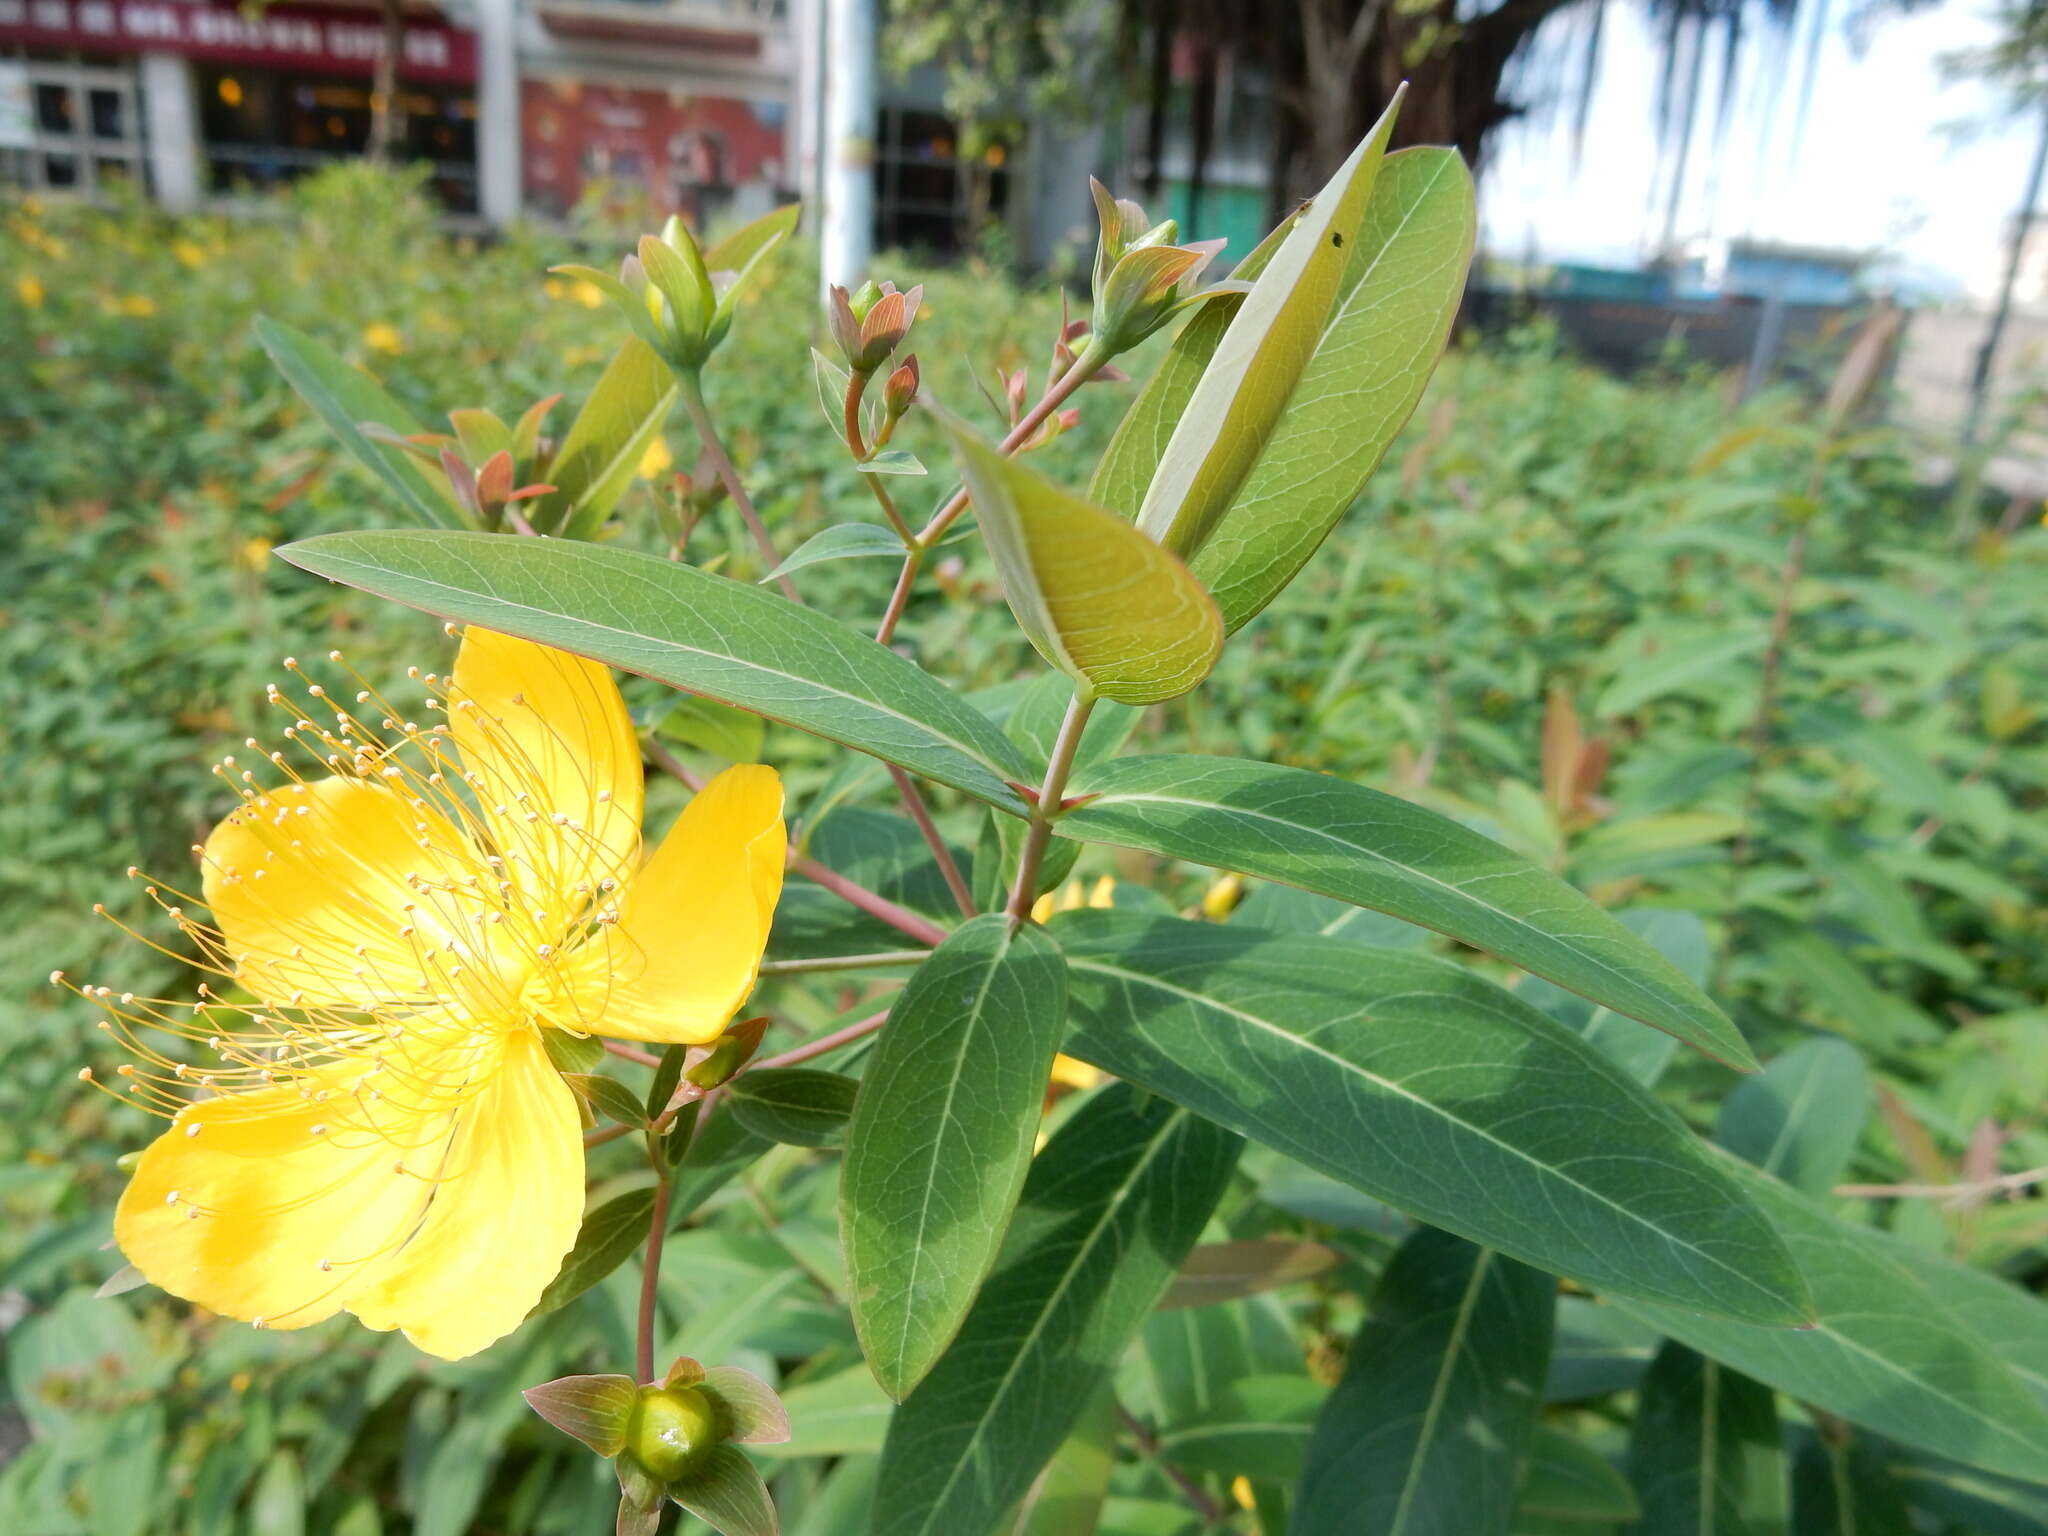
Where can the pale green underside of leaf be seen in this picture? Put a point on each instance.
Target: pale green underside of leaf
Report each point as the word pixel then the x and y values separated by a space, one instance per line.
pixel 941 1138
pixel 1100 600
pixel 1430 1088
pixel 1260 357
pixel 1373 850
pixel 704 634
pixel 610 436
pixel 1943 1357
pixel 842 541
pixel 345 397
pixel 1374 359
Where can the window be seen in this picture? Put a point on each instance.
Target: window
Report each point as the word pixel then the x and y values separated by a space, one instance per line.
pixel 923 194
pixel 86 135
pixel 261 128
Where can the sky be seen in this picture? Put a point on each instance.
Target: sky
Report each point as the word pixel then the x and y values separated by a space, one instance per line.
pixel 1880 167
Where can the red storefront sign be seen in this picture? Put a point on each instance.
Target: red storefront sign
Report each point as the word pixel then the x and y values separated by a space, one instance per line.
pixel 671 145
pixel 314 39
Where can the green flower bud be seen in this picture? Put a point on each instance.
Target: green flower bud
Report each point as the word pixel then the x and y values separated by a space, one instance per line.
pixel 673 1431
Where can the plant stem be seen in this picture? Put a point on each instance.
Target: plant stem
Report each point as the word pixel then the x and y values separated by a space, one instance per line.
pixel 856 387
pixel 920 813
pixel 692 391
pixel 1148 1447
pixel 1047 810
pixel 902 919
pixel 843 1036
pixel 657 1234
pixel 1091 362
pixel 843 962
pixel 913 562
pixel 630 1053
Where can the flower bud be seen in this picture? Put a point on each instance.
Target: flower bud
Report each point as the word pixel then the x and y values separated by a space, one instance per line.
pixel 884 323
pixel 865 296
pixel 901 390
pixel 673 1431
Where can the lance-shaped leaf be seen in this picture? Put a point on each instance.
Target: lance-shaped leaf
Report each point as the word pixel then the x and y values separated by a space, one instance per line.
pixel 1109 1210
pixel 799 1106
pixel 593 1409
pixel 1218 1272
pixel 1706 1456
pixel 1566 1479
pixel 606 442
pixel 1844 1488
pixel 1373 850
pixel 842 541
pixel 1100 600
pixel 1261 357
pixel 1430 1088
pixel 609 1235
pixel 1375 355
pixel 701 633
pixel 1934 1354
pixel 1801 1117
pixel 1425 1433
pixel 733 261
pixel 941 1138
pixel 346 398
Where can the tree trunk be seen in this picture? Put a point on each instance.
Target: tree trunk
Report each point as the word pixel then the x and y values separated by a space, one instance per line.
pixel 387 113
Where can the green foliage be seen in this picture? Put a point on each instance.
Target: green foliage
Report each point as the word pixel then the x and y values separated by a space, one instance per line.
pixel 1531 662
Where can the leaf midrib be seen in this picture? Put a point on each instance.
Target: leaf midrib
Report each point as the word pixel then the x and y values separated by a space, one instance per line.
pixel 1439 1389
pixel 973 754
pixel 1267 1026
pixel 1637 988
pixel 1081 1254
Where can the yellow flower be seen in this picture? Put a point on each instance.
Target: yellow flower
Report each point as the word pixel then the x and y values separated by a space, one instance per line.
pixel 1071 1073
pixel 380 337
pixel 1071 897
pixel 1222 897
pixel 138 305
pixel 190 252
pixel 254 554
pixel 386 1133
pixel 587 293
pixel 29 289
pixel 656 461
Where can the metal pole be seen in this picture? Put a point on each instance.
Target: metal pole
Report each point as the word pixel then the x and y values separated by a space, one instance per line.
pixel 848 230
pixel 1987 354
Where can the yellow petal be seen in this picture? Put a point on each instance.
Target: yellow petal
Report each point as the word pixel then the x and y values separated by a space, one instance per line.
pixel 687 947
pixel 238 1205
pixel 554 761
pixel 507 1206
pixel 309 888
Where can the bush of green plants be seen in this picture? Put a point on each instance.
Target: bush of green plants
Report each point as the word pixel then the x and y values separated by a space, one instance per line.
pixel 1731 676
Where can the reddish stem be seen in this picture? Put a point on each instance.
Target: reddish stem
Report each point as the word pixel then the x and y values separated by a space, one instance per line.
pixel 657 1232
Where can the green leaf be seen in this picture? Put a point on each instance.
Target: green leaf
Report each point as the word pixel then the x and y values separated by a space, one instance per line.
pixel 892 461
pixel 572 1053
pixel 727 1494
pixel 842 541
pixel 1972 1501
pixel 1566 1479
pixel 1109 1210
pixel 1706 1456
pixel 592 1409
pixel 842 1415
pixel 610 1234
pixel 1100 600
pixel 610 1096
pixel 1257 1427
pixel 1845 1489
pixel 610 436
pixel 942 1136
pixel 1260 358
pixel 1426 1430
pixel 700 633
pixel 1429 1087
pixel 345 397
pixel 739 251
pixel 1801 1117
pixel 799 1106
pixel 832 381
pixel 1217 1272
pixel 277 1507
pixel 708 726
pixel 1375 355
pixel 1067 1500
pixel 1372 850
pixel 1680 662
pixel 1934 1354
